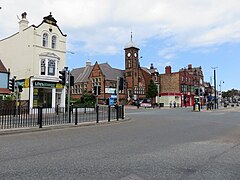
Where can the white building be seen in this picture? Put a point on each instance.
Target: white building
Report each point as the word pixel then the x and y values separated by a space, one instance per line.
pixel 35 55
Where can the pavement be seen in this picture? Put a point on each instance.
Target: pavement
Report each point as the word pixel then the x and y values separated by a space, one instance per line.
pixel 57 126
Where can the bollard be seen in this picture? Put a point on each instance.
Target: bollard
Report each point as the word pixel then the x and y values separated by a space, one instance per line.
pixel 109 113
pixel 122 111
pixel 117 112
pixel 97 110
pixel 57 110
pixel 76 116
pixel 40 116
pixel 69 115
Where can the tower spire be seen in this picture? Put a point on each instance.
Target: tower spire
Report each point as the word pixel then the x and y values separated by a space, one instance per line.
pixel 131 36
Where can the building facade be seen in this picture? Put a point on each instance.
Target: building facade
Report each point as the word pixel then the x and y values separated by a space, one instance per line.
pixel 135 78
pixel 182 86
pixel 35 55
pixel 4 76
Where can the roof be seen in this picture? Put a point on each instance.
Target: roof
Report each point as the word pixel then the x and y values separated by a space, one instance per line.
pixel 2 67
pixel 130 44
pixel 4 91
pixel 82 74
pixel 111 73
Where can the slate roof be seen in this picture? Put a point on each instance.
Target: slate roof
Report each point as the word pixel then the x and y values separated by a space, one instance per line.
pixel 82 74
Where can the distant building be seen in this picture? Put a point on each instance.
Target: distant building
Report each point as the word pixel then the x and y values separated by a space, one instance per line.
pixel 34 55
pixel 136 78
pixel 4 75
pixel 181 86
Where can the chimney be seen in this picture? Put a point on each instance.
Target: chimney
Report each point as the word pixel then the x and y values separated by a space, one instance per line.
pixel 23 23
pixel 190 66
pixel 168 70
pixel 88 63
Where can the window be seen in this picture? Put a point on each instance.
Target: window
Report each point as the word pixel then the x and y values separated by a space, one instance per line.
pixel 51 67
pixel 129 63
pixel 54 41
pixel 43 67
pixel 45 40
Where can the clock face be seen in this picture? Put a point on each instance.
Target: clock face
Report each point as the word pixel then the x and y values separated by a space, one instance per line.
pixel 129 54
pixel 135 54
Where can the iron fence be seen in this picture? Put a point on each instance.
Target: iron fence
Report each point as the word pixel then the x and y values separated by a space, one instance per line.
pixel 39 117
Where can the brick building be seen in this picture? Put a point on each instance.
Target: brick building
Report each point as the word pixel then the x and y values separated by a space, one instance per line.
pixel 181 86
pixel 136 78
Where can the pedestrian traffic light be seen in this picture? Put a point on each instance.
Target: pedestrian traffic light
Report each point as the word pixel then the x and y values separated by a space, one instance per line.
pixel 12 85
pixel 62 77
pixel 20 88
pixel 121 83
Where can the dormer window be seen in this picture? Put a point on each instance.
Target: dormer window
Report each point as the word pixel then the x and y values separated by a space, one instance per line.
pixel 45 40
pixel 54 41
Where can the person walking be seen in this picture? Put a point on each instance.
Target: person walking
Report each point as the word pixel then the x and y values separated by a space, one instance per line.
pixel 174 104
pixel 170 104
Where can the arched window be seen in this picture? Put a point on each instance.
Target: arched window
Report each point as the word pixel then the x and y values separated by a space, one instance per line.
pixel 54 41
pixel 45 40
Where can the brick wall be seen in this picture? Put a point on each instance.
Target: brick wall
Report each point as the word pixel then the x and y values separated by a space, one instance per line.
pixel 170 83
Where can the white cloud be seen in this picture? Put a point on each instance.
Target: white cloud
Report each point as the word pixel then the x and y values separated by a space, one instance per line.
pixel 104 26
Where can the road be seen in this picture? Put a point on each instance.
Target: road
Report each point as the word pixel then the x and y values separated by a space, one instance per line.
pixel 154 144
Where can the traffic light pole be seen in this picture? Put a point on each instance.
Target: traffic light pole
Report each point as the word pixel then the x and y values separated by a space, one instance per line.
pixel 68 104
pixel 16 93
pixel 117 90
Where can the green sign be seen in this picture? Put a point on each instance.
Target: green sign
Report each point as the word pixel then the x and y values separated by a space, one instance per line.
pixel 44 84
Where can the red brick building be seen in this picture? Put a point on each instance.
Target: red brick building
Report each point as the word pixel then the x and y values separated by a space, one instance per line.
pixel 181 86
pixel 136 78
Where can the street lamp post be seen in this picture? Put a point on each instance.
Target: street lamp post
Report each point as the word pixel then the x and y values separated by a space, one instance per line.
pixel 215 88
pixel 138 80
pixel 220 89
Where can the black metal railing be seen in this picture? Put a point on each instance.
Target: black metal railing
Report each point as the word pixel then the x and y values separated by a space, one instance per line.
pixel 40 117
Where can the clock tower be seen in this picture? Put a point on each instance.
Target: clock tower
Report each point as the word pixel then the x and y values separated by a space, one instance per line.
pixel 131 68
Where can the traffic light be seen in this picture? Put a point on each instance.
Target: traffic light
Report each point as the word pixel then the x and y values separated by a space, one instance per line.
pixel 20 88
pixel 95 90
pixel 12 85
pixel 121 83
pixel 99 90
pixel 71 80
pixel 62 77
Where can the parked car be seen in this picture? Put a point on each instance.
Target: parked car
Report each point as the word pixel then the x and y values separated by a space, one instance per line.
pixel 145 103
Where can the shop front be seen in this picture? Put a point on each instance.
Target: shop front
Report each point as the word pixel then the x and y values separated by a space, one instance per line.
pixel 47 94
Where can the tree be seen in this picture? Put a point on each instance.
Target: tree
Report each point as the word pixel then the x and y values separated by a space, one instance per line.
pixel 88 99
pixel 152 90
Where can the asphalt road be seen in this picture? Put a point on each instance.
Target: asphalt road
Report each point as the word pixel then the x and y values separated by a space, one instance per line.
pixel 154 144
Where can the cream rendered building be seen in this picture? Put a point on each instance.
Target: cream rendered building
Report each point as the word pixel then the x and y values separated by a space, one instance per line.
pixel 35 55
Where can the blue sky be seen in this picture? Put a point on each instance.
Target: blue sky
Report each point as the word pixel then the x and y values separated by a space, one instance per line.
pixel 203 33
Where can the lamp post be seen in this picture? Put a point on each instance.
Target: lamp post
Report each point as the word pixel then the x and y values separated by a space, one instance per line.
pixel 215 88
pixel 220 88
pixel 138 80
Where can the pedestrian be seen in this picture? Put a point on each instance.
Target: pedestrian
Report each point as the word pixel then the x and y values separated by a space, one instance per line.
pixel 174 104
pixel 170 104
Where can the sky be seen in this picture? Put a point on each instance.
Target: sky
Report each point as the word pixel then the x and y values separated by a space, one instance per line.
pixel 203 33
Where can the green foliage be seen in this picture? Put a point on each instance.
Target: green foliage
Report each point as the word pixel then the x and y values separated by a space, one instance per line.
pixel 88 99
pixel 152 90
pixel 230 93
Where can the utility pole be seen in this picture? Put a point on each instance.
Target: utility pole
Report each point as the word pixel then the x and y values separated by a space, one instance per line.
pixel 215 88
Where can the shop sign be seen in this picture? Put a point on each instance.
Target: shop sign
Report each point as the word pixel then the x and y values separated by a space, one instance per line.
pixel 59 86
pixel 43 84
